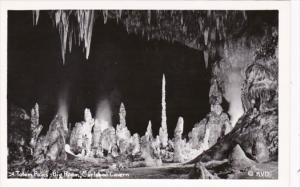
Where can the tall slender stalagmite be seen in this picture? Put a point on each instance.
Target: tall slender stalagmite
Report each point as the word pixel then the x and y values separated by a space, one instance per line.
pixel 163 131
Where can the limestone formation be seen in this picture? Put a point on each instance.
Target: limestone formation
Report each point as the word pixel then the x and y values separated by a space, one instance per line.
pixel 256 131
pixel 122 133
pixel 52 145
pixel 150 148
pixel 148 134
pixel 218 125
pixel 178 142
pixel 108 139
pixel 215 95
pixel 81 135
pixel 135 142
pixel 163 130
pixel 97 130
pixel 157 25
pixel 196 136
pixel 35 127
pixel 209 130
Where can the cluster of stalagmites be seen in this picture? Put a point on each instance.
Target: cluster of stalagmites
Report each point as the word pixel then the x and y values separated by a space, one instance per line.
pixel 93 139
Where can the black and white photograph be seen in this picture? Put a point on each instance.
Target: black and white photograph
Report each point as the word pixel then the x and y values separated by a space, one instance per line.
pixel 142 94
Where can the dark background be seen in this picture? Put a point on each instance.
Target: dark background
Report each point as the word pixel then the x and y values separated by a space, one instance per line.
pixel 121 68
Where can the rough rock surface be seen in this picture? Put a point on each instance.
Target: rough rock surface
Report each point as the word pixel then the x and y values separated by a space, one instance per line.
pixel 109 140
pixel 96 136
pixel 216 124
pixel 122 133
pixel 257 130
pixel 178 142
pixel 35 127
pixel 81 136
pixel 52 145
pixel 135 143
pixel 150 148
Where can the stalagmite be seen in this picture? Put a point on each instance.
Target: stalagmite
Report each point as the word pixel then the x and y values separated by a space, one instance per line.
pixel 163 131
pixel 178 144
pixel 35 126
pixel 150 148
pixel 52 145
pixel 148 133
pixel 122 132
pixel 81 135
pixel 205 53
pixel 108 139
pixel 135 142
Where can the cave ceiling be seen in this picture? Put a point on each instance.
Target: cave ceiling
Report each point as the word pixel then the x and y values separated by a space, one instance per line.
pixel 198 29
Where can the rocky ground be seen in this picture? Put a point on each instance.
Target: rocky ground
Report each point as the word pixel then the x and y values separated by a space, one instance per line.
pixel 99 169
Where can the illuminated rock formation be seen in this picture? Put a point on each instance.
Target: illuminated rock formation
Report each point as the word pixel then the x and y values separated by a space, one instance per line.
pixel 178 142
pixel 135 142
pixel 122 133
pixel 150 148
pixel 35 127
pixel 163 130
pixel 81 135
pixel 216 124
pixel 108 139
pixel 52 145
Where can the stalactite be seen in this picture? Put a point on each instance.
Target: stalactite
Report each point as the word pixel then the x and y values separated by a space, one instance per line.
pixel 105 15
pixel 206 32
pixel 36 15
pixel 86 19
pixel 118 15
pixel 179 26
pixel 62 23
pixel 205 53
pixel 245 15
pixel 70 40
pixel 149 16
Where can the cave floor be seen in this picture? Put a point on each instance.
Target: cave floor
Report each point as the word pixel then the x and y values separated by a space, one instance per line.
pixel 97 169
